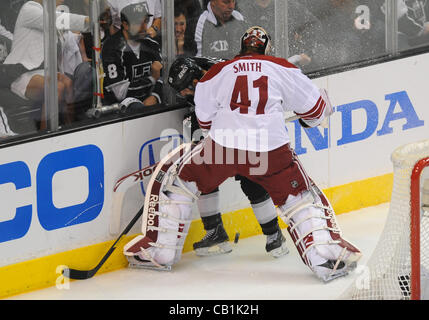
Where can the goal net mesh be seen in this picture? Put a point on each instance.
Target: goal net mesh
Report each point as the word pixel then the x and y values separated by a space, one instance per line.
pixel 387 274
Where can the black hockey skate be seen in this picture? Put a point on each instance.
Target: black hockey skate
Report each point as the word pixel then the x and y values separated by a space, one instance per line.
pixel 276 244
pixel 215 242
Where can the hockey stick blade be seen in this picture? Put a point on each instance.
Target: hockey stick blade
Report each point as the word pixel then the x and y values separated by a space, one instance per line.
pixel 86 274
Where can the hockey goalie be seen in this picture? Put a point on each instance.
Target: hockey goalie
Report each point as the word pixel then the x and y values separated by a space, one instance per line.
pixel 242 103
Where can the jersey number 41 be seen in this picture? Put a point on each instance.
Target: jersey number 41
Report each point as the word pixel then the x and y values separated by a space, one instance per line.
pixel 241 90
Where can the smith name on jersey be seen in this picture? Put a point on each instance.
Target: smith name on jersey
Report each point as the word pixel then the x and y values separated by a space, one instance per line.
pixel 121 62
pixel 247 97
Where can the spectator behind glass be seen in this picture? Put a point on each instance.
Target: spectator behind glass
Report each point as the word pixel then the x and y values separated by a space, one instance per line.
pixel 303 35
pixel 5 46
pixel 185 45
pixel 301 25
pixel 132 61
pixel 219 29
pixel 260 13
pixel 154 7
pixel 6 35
pixel 192 11
pixel 29 33
pixel 9 10
pixel 413 23
pixel 352 30
pixel 86 43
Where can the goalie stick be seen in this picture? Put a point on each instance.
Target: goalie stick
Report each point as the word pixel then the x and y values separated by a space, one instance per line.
pixel 119 190
pixel 86 274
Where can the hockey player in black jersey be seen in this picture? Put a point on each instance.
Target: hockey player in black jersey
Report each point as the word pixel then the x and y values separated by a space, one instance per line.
pixel 183 77
pixel 132 61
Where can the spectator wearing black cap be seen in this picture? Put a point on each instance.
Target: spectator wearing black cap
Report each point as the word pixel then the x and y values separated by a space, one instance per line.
pixel 132 61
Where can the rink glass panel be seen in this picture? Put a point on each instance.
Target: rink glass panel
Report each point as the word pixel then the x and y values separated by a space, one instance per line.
pixel 412 24
pixel 334 35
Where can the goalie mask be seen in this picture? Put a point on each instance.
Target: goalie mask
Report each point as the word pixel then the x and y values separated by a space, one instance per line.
pixel 182 73
pixel 256 39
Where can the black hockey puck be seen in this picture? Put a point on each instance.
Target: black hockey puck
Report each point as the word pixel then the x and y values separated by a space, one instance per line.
pixel 237 236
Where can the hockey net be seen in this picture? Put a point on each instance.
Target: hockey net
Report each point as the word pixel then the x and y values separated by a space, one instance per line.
pixel 398 267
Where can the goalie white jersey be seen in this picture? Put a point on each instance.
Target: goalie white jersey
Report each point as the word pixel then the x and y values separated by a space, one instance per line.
pixel 242 101
pixel 247 95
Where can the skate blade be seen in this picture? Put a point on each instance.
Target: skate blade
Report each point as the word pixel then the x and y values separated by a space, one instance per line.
pixel 218 249
pixel 148 267
pixel 280 251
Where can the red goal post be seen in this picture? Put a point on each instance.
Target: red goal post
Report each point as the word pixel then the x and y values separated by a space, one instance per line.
pixel 415 241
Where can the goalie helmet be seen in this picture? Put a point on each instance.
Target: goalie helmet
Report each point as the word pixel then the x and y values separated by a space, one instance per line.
pixel 256 39
pixel 182 73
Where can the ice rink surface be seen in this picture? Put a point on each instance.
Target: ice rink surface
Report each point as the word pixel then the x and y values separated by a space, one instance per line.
pixel 248 273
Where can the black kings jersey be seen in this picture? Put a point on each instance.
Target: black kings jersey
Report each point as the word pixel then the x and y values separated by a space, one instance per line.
pixel 122 62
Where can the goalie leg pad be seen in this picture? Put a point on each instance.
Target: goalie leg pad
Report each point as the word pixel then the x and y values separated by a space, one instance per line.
pixel 314 230
pixel 166 216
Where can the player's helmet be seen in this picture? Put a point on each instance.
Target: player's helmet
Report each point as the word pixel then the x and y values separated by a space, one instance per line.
pixel 256 39
pixel 135 13
pixel 182 73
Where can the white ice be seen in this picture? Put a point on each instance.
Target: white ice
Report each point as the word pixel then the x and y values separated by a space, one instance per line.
pixel 248 273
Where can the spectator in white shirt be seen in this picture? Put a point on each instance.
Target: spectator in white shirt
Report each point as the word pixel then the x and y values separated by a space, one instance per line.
pixel 28 50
